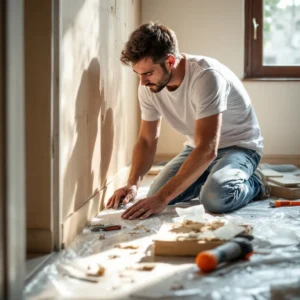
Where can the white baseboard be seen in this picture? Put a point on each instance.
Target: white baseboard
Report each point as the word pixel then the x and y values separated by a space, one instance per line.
pixel 75 222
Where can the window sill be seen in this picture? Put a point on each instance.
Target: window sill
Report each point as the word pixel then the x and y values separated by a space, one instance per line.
pixel 271 79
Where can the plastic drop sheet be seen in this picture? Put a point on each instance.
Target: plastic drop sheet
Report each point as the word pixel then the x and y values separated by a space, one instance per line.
pixel 273 272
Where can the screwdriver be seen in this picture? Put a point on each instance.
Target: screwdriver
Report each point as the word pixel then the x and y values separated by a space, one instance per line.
pixel 280 203
pixel 237 248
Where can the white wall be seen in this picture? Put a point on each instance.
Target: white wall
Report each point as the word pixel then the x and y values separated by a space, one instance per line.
pixel 216 28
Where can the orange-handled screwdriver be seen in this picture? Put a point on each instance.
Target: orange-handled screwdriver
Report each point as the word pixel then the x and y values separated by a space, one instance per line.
pixel 280 203
pixel 237 248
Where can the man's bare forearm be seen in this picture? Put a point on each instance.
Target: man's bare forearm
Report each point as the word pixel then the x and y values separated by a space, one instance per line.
pixel 142 160
pixel 192 168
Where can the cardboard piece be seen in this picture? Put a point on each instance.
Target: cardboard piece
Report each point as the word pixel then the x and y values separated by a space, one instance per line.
pixel 171 241
pixel 290 193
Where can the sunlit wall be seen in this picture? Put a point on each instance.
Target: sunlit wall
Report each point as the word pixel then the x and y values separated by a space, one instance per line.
pixel 98 97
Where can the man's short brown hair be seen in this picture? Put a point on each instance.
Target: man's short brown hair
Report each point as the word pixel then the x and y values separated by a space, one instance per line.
pixel 150 40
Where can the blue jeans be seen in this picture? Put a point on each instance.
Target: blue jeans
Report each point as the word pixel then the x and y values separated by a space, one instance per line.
pixel 227 184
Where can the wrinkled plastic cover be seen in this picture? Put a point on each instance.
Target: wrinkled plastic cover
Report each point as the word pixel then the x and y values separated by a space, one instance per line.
pixel 273 272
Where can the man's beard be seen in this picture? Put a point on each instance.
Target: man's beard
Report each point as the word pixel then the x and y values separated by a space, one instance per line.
pixel 156 88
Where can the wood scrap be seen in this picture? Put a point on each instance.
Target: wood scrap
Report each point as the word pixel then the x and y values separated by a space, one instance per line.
pixel 271 173
pixel 174 240
pixel 113 256
pixel 286 181
pixel 127 278
pixel 95 270
pixel 202 227
pixel 144 267
pixel 134 233
pixel 290 193
pixel 177 286
pixel 122 246
pixel 141 227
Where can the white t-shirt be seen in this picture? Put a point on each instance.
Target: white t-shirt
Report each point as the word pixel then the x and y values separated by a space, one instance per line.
pixel 208 88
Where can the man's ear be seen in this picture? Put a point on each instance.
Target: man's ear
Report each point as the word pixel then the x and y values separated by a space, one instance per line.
pixel 170 61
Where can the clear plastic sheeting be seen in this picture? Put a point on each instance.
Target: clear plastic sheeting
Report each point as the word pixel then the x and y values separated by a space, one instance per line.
pixel 273 272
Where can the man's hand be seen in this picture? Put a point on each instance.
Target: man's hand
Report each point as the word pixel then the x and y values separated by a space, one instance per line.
pixel 144 208
pixel 126 193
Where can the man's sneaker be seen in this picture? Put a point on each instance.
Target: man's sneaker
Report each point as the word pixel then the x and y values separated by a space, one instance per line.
pixel 265 187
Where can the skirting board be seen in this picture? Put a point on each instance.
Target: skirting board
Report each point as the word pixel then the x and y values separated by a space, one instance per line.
pixel 75 223
pixel 268 158
pixel 39 240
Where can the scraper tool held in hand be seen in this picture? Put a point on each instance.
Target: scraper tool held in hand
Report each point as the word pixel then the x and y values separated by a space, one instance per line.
pixel 237 248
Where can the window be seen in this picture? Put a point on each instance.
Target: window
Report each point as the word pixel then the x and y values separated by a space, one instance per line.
pixel 272 38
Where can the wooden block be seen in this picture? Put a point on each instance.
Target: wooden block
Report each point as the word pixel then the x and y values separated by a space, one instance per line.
pixel 183 248
pixel 271 173
pixel 286 181
pixel 168 241
pixel 290 193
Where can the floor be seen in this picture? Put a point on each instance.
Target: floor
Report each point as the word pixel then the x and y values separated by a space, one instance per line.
pixel 273 272
pixel 34 262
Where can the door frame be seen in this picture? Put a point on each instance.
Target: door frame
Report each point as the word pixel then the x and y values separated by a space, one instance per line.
pixel 12 191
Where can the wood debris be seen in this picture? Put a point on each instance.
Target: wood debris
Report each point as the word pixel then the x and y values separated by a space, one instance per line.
pixel 102 237
pixel 120 246
pixel 145 267
pixel 127 278
pixel 177 286
pixel 113 256
pixel 202 227
pixel 95 270
pixel 140 227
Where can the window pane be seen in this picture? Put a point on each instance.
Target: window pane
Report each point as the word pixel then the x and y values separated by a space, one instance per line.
pixel 281 33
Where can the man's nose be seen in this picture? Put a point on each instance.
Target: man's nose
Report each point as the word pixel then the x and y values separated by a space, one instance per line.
pixel 143 80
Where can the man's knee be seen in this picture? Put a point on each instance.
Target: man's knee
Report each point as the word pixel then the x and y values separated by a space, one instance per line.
pixel 214 197
pixel 212 203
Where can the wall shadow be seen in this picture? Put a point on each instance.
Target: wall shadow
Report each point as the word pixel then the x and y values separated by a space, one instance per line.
pixel 94 142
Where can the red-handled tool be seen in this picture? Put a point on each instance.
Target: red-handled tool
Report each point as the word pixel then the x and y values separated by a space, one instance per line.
pixel 105 227
pixel 280 203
